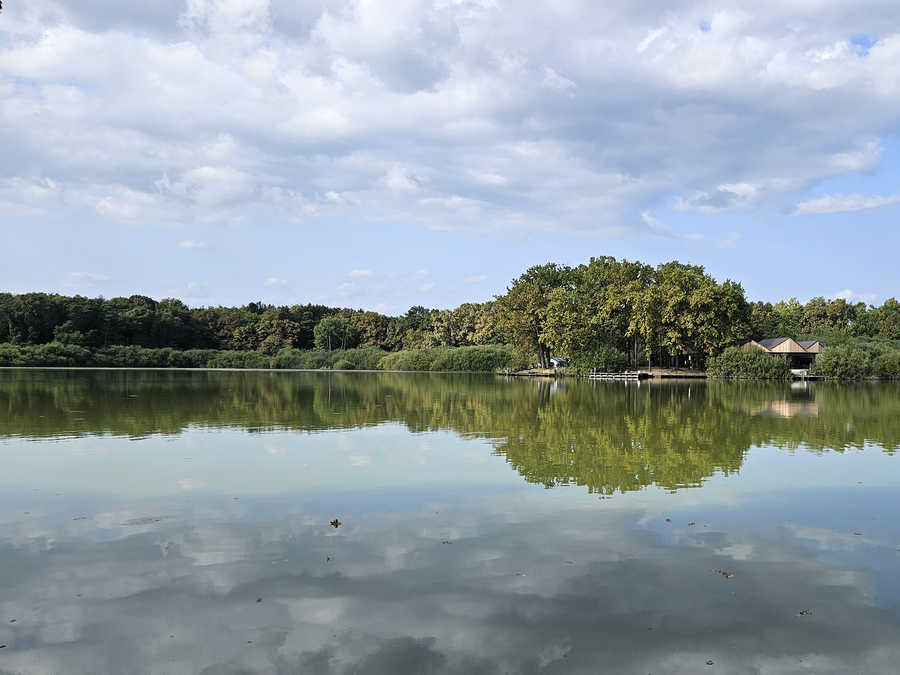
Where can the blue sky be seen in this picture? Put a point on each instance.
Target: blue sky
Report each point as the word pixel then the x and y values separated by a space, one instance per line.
pixel 381 155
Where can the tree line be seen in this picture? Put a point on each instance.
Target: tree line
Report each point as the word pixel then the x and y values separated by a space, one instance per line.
pixel 94 323
pixel 605 313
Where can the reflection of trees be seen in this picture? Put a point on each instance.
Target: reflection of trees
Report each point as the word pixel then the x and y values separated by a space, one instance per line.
pixel 605 436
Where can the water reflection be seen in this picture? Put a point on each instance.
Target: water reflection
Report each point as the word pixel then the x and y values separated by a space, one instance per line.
pixel 490 586
pixel 172 522
pixel 605 436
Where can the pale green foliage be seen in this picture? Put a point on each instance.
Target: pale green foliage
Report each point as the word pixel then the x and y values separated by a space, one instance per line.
pixel 335 333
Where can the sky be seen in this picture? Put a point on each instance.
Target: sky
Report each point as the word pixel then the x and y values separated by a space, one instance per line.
pixel 381 155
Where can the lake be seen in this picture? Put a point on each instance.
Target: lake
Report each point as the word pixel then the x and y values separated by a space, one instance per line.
pixel 283 522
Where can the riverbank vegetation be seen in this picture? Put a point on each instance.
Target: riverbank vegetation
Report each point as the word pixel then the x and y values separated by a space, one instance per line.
pixel 745 364
pixel 607 314
pixel 486 358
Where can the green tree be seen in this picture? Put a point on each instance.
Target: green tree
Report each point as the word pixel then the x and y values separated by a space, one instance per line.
pixel 335 333
pixel 522 312
pixel 597 310
pixel 887 320
pixel 789 318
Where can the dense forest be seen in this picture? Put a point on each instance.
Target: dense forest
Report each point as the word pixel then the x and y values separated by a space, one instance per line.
pixel 607 314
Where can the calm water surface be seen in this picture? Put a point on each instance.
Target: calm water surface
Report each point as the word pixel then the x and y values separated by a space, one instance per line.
pixel 179 522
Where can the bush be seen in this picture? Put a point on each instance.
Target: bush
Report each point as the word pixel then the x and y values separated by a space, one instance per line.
pixel 605 358
pixel 845 362
pixel 482 359
pixel 888 365
pixel 234 359
pixel 488 358
pixel 50 354
pixel 359 359
pixel 748 364
pixel 191 358
pixel 411 359
pixel 362 358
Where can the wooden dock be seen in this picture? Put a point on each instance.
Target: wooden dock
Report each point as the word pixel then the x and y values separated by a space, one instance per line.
pixel 634 375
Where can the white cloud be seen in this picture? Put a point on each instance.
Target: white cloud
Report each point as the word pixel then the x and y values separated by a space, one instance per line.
pixel 659 229
pixel 192 244
pixel 357 274
pixel 556 82
pixel 852 296
pixel 476 279
pixel 448 115
pixel 275 282
pixel 728 196
pixel 125 204
pixel 845 203
pixel 428 286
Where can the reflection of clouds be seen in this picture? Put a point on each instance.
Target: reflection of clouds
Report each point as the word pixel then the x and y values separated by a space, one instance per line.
pixel 525 586
pixel 831 540
pixel 189 484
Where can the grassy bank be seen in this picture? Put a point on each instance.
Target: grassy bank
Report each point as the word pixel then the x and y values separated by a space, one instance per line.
pixel 490 358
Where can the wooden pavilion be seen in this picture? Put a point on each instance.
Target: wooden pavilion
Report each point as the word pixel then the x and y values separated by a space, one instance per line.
pixel 801 353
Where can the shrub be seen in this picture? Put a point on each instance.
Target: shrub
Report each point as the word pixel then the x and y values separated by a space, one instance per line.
pixel 191 358
pixel 485 358
pixel 748 364
pixel 605 358
pixel 343 364
pixel 482 359
pixel 844 362
pixel 888 365
pixel 359 359
pixel 411 359
pixel 362 358
pixel 235 359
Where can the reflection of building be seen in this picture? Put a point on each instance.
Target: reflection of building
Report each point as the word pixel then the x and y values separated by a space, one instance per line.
pixel 800 402
pixel 787 409
pixel 801 354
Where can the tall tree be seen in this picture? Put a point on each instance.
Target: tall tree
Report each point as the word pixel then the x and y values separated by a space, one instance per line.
pixel 522 312
pixel 335 333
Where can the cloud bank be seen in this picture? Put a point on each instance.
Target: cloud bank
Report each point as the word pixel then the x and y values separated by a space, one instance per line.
pixel 450 114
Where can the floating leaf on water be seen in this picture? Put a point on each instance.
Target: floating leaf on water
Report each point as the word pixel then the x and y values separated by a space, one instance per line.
pixel 259 600
pixel 445 541
pixel 668 520
pixel 691 524
pixel 710 662
pixel 725 573
pixel 335 523
pixel 805 612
